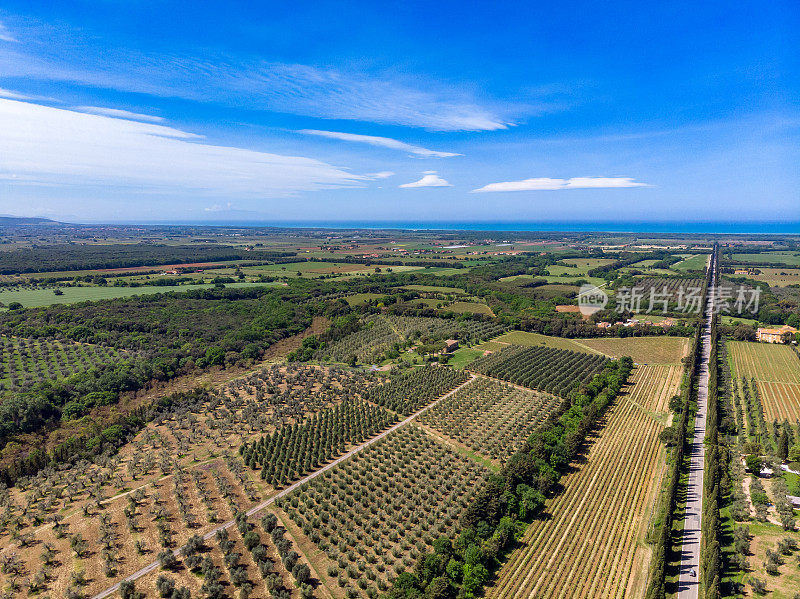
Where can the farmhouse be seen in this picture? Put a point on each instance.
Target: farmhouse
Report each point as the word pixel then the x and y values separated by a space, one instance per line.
pixel 450 345
pixel 795 501
pixel 779 335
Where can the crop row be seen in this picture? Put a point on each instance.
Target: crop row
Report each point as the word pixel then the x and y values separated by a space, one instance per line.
pixel 24 362
pixel 383 334
pixel 293 450
pixel 373 515
pixel 490 417
pixel 411 390
pixel 557 371
pixel 587 545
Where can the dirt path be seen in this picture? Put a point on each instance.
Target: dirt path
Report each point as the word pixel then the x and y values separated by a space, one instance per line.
pixel 266 503
pixel 772 513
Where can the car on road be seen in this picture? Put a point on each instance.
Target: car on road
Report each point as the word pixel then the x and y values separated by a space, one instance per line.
pixel 693 572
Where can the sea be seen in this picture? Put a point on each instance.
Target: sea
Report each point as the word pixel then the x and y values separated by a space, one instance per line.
pixel 718 228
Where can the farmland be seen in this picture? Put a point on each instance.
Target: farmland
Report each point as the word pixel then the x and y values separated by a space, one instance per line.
pixel 556 371
pixel 379 336
pixel 776 370
pixel 643 350
pixel 779 257
pixel 489 417
pixel 525 338
pixel 696 262
pixel 777 277
pixel 412 390
pixel 590 541
pixel 177 477
pixel 32 298
pixel 24 362
pixel 372 516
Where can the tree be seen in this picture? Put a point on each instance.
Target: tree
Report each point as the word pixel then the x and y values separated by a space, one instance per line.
pixel 167 560
pixel 301 573
pixel 251 540
pixel 759 586
pixel 127 590
pixel 783 442
pixel 165 586
pixel 753 464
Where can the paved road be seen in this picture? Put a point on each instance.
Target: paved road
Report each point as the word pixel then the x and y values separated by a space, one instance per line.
pixel 688 585
pixel 154 565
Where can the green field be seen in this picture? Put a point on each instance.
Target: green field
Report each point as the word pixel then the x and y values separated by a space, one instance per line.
pixel 696 262
pixel 470 307
pixel 556 278
pixel 787 257
pixel 357 299
pixel 586 264
pixel 434 289
pixel 464 356
pixel 32 298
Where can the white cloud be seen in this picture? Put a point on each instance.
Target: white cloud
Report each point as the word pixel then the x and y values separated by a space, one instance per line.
pixel 218 207
pixel 381 142
pixel 5 34
pixel 60 148
pixel 258 85
pixel 12 95
pixel 120 114
pixel 431 179
pixel 546 184
pixel 380 175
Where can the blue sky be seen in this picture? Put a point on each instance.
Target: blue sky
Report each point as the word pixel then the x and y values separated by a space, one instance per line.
pixel 487 111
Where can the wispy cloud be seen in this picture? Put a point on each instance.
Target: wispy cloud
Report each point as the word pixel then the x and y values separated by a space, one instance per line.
pixel 380 175
pixel 12 95
pixel 246 82
pixel 61 148
pixel 5 34
pixel 120 114
pixel 547 184
pixel 381 142
pixel 429 179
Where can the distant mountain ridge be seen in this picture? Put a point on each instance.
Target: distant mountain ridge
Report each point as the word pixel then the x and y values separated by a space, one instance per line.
pixel 26 220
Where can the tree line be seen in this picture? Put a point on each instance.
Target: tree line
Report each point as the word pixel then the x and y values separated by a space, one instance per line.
pixel 69 256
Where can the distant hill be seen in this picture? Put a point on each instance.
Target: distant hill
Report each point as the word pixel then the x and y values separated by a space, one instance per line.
pixel 9 221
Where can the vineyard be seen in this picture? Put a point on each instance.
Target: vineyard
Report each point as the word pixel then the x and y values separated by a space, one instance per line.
pixel 591 542
pixel 372 516
pixel 490 417
pixel 24 362
pixel 653 386
pixel 664 295
pixel 293 451
pixel 380 335
pixel 408 392
pixel 776 370
pixel 557 371
pixel 667 286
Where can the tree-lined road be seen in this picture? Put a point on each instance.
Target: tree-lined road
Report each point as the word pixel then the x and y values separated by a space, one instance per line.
pixel 689 578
